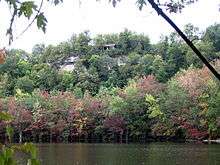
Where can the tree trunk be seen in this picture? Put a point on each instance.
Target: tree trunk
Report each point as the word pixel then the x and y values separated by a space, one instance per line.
pixel 34 137
pixel 20 137
pixel 51 137
pixel 121 134
pixel 126 136
pixel 86 138
pixel 210 138
pixel 40 137
pixel 145 137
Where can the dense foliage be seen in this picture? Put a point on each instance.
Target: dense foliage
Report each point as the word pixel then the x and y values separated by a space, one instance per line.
pixel 9 150
pixel 113 87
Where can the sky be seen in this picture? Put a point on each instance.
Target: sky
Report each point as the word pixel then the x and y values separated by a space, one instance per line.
pixel 73 17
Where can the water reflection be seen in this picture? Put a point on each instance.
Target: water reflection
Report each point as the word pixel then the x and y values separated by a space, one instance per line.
pixel 129 154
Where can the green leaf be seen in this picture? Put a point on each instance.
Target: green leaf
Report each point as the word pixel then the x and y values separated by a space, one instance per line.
pixel 41 22
pixel 154 108
pixel 30 148
pixel 33 162
pixel 27 8
pixel 9 131
pixel 6 156
pixel 5 116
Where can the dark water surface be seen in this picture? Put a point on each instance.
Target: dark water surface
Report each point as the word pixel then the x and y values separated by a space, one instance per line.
pixel 129 154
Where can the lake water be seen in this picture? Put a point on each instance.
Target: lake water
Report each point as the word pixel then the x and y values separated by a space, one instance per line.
pixel 129 154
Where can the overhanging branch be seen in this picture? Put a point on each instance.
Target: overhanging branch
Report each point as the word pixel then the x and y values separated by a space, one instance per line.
pixel 189 43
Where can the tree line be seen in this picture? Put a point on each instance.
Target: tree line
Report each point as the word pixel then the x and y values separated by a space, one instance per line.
pixel 121 87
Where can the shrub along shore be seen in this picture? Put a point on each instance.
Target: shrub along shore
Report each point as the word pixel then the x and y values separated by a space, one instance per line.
pixel 186 107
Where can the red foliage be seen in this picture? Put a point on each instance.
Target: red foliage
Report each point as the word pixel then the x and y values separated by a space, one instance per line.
pixel 115 124
pixel 58 126
pixel 64 114
pixel 194 133
pixel 21 116
pixel 40 123
pixel 75 122
pixel 92 105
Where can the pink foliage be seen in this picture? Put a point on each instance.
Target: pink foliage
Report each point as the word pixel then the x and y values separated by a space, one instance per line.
pixel 75 122
pixel 58 127
pixel 115 124
pixel 18 112
pixel 64 113
pixel 194 81
pixel 45 94
pixel 149 84
pixel 93 106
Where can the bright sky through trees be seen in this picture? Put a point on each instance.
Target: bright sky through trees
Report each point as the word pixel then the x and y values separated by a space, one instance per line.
pixel 100 17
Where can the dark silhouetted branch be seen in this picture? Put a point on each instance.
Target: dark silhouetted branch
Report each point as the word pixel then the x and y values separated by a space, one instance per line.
pixel 192 46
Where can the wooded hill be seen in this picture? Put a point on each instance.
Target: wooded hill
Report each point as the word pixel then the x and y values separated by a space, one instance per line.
pixel 113 87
